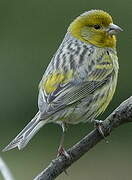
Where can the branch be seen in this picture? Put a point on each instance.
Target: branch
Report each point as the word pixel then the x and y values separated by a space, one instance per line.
pixel 121 115
pixel 5 171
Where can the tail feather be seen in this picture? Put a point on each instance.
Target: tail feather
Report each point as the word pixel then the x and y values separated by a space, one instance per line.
pixel 22 139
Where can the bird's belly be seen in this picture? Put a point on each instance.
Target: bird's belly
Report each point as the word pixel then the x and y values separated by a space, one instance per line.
pixel 105 96
pixel 88 108
pixel 87 111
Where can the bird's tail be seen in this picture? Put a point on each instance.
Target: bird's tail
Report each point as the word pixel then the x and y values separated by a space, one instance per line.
pixel 22 139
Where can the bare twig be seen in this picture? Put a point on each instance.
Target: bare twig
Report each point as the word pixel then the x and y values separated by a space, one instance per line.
pixel 5 171
pixel 121 115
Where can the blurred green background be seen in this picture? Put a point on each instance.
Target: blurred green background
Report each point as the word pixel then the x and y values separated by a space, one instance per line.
pixel 30 33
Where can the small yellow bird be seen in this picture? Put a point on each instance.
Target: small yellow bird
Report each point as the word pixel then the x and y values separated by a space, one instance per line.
pixel 81 78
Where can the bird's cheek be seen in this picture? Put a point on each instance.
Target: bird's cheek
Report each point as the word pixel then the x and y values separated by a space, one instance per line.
pixel 95 37
pixel 84 32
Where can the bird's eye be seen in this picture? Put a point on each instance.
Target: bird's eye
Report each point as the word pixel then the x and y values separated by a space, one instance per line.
pixel 96 26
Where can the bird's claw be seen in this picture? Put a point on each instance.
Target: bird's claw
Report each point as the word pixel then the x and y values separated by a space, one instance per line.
pixel 62 151
pixel 98 126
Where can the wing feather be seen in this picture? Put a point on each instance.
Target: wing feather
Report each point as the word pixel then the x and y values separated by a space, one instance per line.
pixel 65 90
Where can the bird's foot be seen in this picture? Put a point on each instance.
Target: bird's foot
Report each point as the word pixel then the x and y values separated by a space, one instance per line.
pixel 62 151
pixel 99 127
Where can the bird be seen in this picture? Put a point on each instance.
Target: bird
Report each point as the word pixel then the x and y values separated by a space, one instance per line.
pixel 81 78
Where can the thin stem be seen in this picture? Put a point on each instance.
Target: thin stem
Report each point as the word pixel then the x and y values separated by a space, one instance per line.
pixel 5 171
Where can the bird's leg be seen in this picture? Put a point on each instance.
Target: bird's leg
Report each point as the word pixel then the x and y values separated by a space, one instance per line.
pixel 98 124
pixel 61 150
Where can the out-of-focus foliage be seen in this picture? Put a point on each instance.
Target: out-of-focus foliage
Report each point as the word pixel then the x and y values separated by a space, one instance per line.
pixel 30 33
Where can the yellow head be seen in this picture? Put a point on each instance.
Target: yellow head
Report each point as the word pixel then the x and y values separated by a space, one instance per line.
pixel 95 27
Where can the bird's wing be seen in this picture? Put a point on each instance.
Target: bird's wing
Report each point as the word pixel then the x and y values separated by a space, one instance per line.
pixel 60 90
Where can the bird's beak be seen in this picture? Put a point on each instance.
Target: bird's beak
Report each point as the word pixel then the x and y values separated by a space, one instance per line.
pixel 114 29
